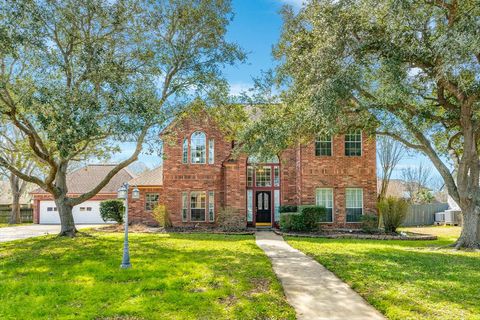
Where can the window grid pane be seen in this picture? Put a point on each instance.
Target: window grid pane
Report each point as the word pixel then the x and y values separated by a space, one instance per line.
pixel 211 151
pixel 197 206
pixel 263 177
pixel 249 205
pixel 249 177
pixel 276 201
pixel 354 204
pixel 185 151
pixel 353 143
pixel 198 147
pixel 276 176
pixel 151 201
pixel 184 207
pixel 324 198
pixel 323 146
pixel 211 206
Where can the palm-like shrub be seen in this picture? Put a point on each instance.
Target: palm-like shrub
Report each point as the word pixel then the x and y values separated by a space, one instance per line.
pixel 393 211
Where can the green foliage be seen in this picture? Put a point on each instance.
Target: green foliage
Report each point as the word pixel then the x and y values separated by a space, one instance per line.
pixel 288 208
pixel 305 220
pixel 112 210
pixel 292 221
pixel 174 276
pixel 423 196
pixel 311 216
pixel 161 216
pixel 369 222
pixel 393 211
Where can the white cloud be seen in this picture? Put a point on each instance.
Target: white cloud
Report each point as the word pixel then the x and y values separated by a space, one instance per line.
pixel 237 88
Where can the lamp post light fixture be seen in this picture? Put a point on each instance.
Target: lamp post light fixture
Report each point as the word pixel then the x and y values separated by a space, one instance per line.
pixel 123 194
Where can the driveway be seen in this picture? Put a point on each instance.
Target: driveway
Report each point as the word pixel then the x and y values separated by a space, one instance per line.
pixel 34 230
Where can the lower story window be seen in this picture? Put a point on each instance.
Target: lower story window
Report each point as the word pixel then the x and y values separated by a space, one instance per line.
pixel 354 204
pixel 197 206
pixel 184 206
pixel 324 198
pixel 211 206
pixel 151 201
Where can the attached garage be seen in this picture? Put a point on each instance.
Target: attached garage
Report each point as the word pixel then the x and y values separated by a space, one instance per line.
pixel 79 182
pixel 85 213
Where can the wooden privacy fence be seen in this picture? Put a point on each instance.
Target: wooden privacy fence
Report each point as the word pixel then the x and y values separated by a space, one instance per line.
pixel 25 213
pixel 423 214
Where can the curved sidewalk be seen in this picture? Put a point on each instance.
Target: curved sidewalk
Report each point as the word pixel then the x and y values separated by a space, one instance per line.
pixel 311 289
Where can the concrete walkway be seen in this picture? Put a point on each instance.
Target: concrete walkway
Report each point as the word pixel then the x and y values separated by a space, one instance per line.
pixel 312 290
pixel 34 230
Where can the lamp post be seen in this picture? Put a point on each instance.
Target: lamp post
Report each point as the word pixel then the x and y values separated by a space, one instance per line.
pixel 123 194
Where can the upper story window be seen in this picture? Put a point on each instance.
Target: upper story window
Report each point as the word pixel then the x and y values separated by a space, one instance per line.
pixel 198 147
pixel 323 146
pixel 185 151
pixel 211 151
pixel 353 143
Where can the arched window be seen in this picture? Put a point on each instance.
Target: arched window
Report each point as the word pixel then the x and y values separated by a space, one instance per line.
pixel 198 147
pixel 253 159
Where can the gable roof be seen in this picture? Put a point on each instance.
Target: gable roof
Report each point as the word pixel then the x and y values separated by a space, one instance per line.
pixel 153 177
pixel 85 179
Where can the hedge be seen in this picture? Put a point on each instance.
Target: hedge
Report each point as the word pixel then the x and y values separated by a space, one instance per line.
pixel 305 220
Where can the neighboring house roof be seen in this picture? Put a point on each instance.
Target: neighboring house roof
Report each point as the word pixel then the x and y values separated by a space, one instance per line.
pixel 153 177
pixel 85 179
pixel 6 194
pixel 396 188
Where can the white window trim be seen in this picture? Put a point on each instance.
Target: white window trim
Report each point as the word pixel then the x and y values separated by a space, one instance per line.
pixel 206 148
pixel 185 140
pixel 333 204
pixel 185 206
pixel 331 147
pixel 361 144
pixel 211 147
pixel 190 206
pixel 363 204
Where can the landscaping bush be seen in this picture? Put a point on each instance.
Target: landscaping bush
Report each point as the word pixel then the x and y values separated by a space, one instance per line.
pixel 311 216
pixel 161 216
pixel 305 220
pixel 393 211
pixel 369 222
pixel 288 208
pixel 112 210
pixel 292 221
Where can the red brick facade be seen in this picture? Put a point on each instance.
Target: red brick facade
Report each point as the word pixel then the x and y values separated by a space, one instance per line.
pixel 301 173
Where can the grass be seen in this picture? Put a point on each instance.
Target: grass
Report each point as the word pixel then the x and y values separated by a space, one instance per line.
pixel 405 279
pixel 174 276
pixel 4 225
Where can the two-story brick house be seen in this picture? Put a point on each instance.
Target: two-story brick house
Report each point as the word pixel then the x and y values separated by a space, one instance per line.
pixel 200 176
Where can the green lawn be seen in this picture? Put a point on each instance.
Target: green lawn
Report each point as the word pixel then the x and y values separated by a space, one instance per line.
pixel 174 276
pixel 405 279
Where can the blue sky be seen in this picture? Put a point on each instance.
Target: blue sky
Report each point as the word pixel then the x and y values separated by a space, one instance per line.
pixel 256 28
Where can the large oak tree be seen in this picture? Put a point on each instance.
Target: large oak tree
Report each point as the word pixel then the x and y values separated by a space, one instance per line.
pixel 408 69
pixel 78 76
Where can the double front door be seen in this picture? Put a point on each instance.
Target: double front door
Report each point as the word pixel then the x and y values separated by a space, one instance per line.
pixel 263 200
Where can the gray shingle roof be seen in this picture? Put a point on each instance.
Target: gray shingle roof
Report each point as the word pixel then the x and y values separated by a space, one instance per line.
pixel 153 177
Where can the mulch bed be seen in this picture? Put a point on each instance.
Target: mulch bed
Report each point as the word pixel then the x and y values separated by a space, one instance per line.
pixel 359 235
pixel 141 228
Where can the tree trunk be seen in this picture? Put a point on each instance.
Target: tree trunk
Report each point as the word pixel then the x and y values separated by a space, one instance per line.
pixel 470 236
pixel 64 209
pixel 66 218
pixel 15 217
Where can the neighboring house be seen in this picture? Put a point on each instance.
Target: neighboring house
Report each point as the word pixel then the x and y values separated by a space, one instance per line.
pixel 200 177
pixel 6 195
pixel 399 188
pixel 78 182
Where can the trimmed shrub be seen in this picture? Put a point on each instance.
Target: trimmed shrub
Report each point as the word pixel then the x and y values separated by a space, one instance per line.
pixel 369 222
pixel 291 221
pixel 161 216
pixel 311 216
pixel 112 210
pixel 288 208
pixel 305 220
pixel 393 211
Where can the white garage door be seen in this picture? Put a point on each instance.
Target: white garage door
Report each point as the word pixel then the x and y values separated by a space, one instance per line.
pixel 87 212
